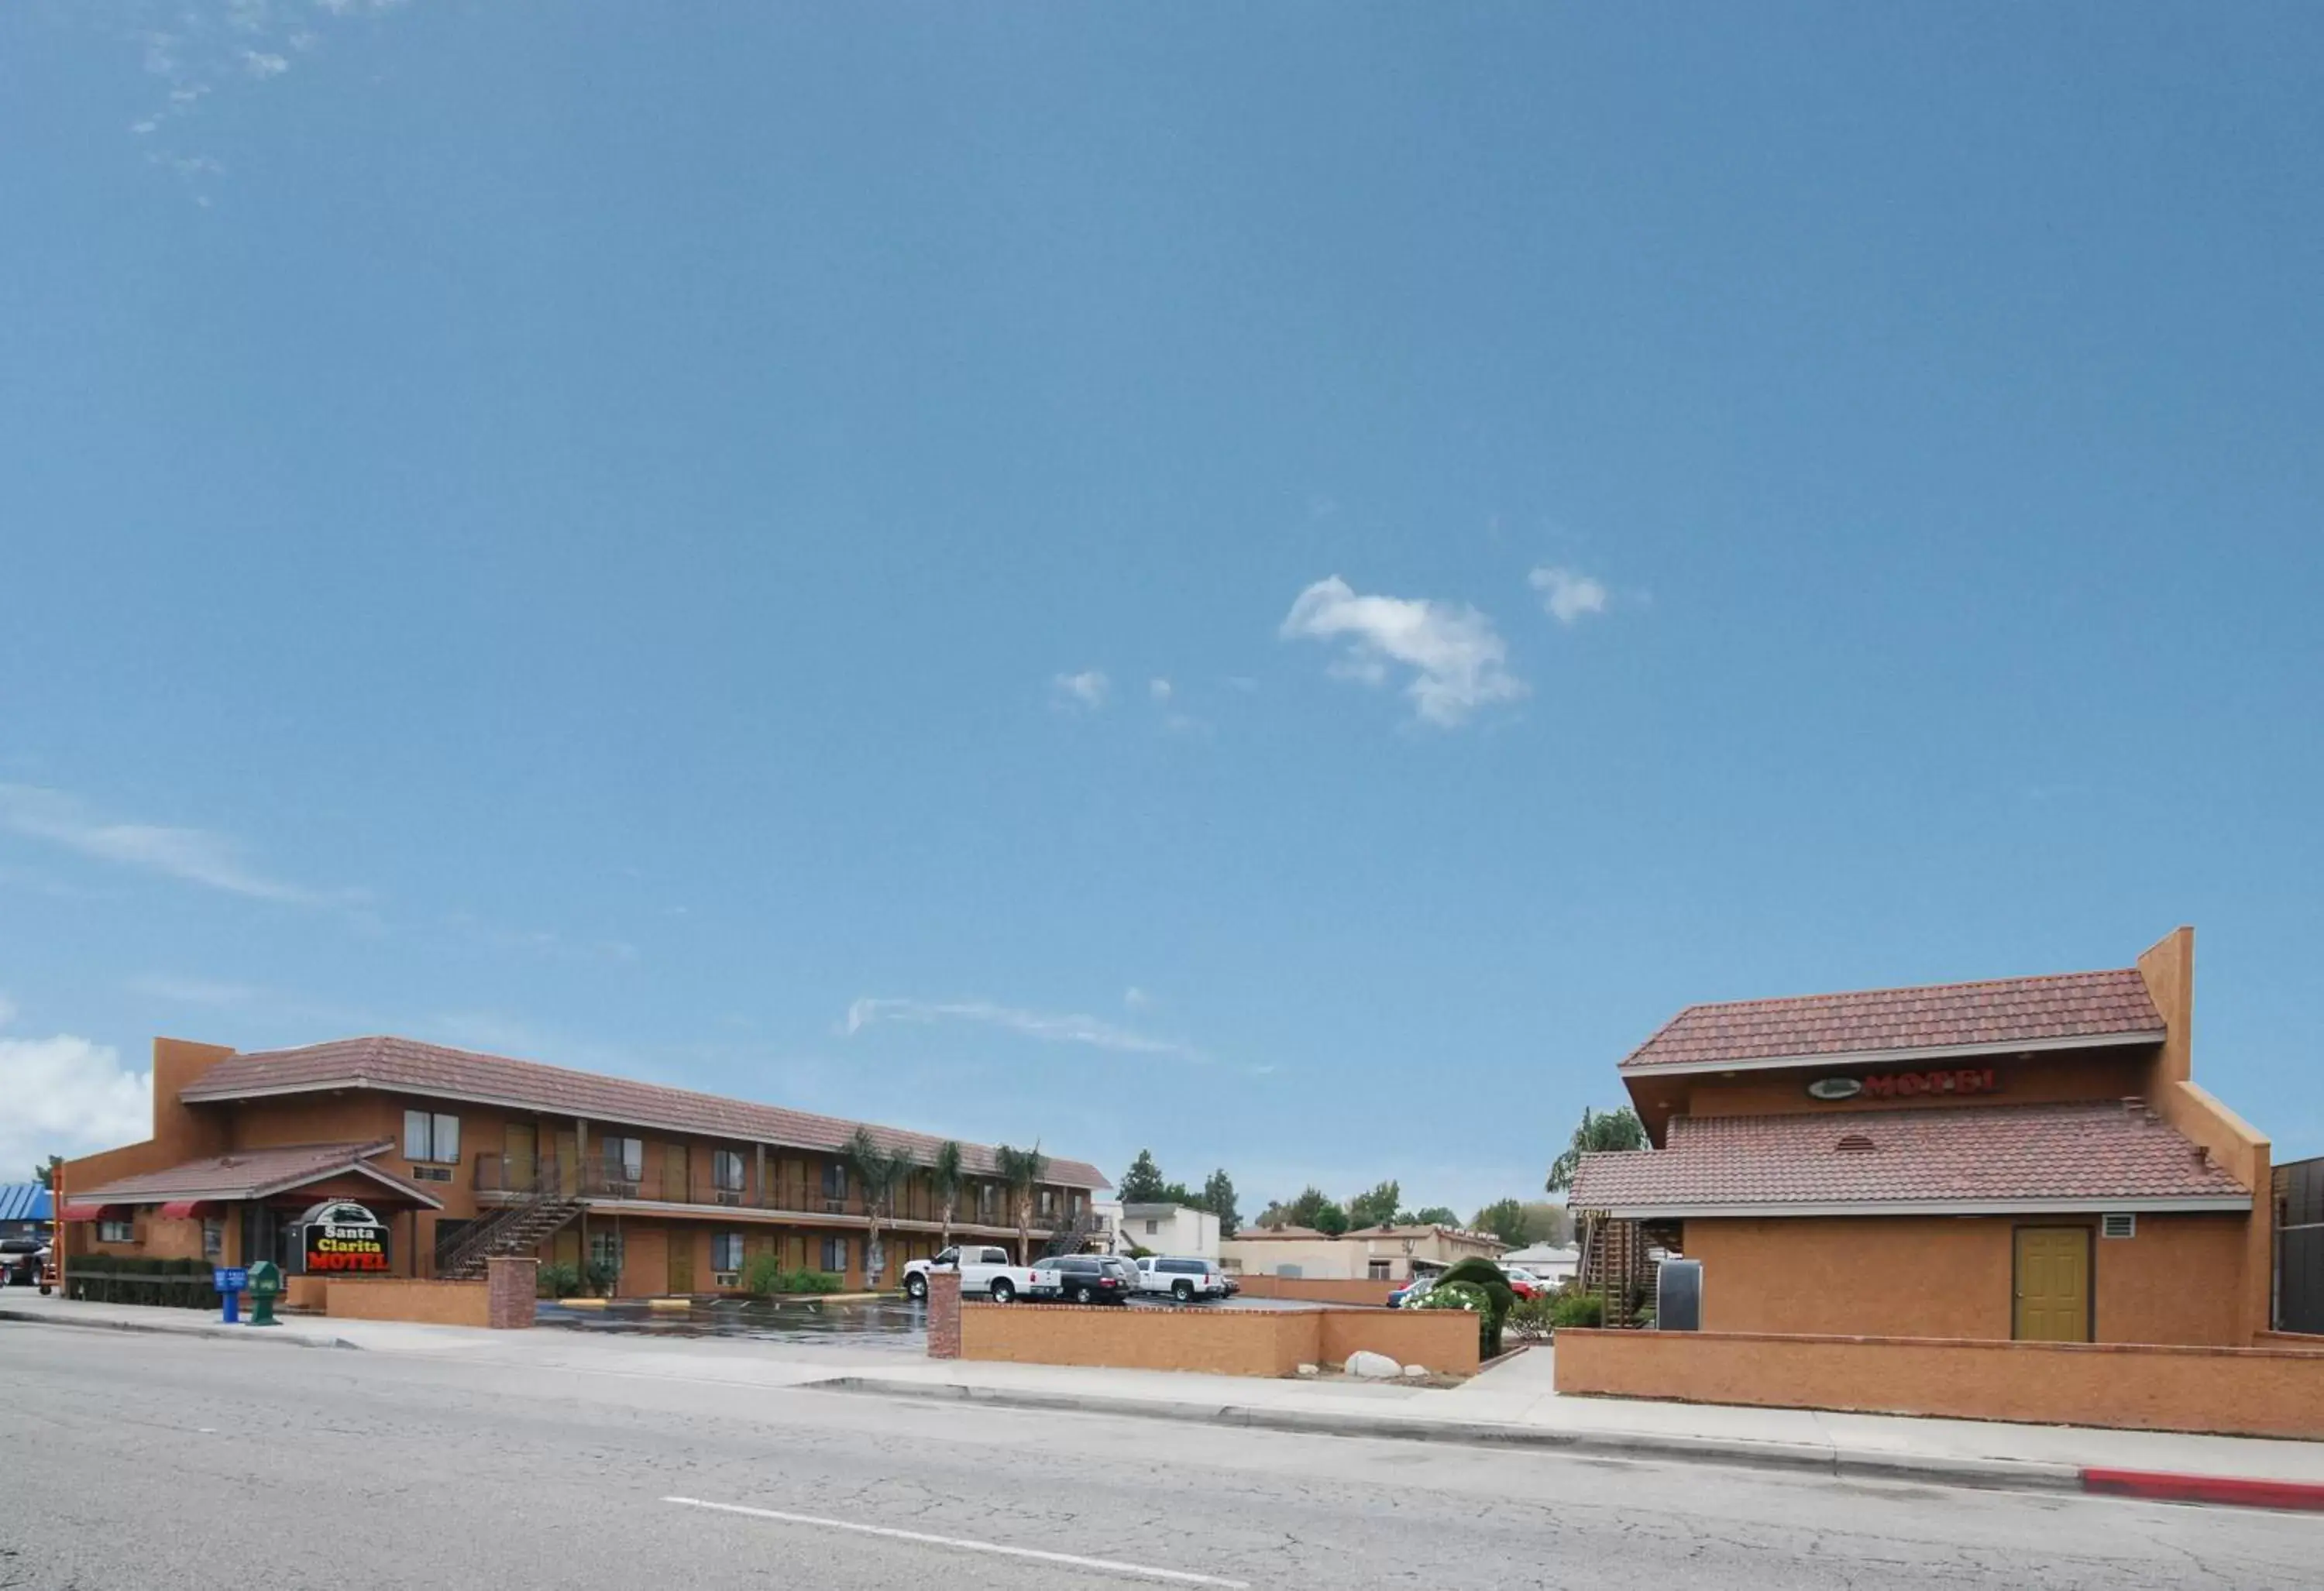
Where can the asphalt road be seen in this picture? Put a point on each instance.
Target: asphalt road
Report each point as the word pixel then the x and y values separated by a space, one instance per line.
pixel 138 1461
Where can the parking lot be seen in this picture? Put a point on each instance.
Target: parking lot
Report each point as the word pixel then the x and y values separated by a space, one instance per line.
pixel 895 1323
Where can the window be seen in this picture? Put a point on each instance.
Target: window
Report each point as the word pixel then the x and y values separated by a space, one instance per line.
pixel 835 1255
pixel 988 1200
pixel 116 1229
pixel 1378 1270
pixel 605 1249
pixel 431 1137
pixel 725 1251
pixel 213 1238
pixel 1073 1204
pixel 726 1175
pixel 834 1179
pixel 625 1159
pixel 1153 1227
pixel 1047 1204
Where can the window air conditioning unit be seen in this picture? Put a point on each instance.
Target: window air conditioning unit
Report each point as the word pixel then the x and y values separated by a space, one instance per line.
pixel 2120 1225
pixel 726 1279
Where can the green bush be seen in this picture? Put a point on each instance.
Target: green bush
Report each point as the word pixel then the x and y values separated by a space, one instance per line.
pixel 1574 1307
pixel 560 1280
pixel 120 1278
pixel 1533 1316
pixel 603 1277
pixel 764 1277
pixel 1499 1298
pixel 1456 1295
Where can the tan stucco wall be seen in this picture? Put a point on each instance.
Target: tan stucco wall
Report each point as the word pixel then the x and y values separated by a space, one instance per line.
pixel 432 1303
pixel 2178 1280
pixel 2242 1392
pixel 1223 1342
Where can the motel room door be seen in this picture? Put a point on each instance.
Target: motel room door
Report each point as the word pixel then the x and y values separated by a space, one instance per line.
pixel 2053 1284
pixel 519 1145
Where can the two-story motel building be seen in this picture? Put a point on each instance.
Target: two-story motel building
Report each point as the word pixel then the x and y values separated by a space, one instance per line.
pixel 675 1190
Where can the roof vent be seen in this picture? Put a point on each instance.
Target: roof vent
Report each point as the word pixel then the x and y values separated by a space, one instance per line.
pixel 1855 1143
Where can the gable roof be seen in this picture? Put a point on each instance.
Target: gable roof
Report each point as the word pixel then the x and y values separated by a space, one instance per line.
pixel 2059 1011
pixel 408 1066
pixel 2102 1155
pixel 250 1173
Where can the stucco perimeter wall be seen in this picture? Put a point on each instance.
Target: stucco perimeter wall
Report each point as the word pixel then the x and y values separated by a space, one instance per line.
pixel 2239 1392
pixel 1319 1290
pixel 430 1303
pixel 2178 1280
pixel 1220 1342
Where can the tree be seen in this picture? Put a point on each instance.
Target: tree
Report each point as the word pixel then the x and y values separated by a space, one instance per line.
pixel 47 1171
pixel 1142 1183
pixel 1306 1210
pixel 1504 1220
pixel 1377 1208
pixel 1435 1215
pixel 1600 1132
pixel 1332 1220
pixel 1219 1199
pixel 881 1171
pixel 1546 1222
pixel 1019 1171
pixel 943 1181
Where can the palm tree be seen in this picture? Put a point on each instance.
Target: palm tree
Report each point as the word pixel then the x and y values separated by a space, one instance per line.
pixel 1600 1132
pixel 1019 1171
pixel 881 1171
pixel 943 1181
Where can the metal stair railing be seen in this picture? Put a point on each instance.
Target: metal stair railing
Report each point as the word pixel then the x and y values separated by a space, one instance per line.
pixel 479 1239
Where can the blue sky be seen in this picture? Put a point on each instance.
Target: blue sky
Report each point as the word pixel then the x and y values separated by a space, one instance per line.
pixel 1278 583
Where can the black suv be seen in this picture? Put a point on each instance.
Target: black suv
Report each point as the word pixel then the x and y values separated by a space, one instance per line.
pixel 23 1262
pixel 1094 1278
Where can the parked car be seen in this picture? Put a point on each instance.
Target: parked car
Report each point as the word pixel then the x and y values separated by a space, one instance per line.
pixel 1410 1295
pixel 1094 1279
pixel 25 1261
pixel 1524 1282
pixel 984 1269
pixel 1184 1280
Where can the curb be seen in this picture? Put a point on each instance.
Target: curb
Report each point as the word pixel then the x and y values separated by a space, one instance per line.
pixel 1997 1474
pixel 157 1329
pixel 2164 1487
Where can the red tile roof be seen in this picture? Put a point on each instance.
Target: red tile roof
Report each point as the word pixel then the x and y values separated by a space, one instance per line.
pixel 2095 1152
pixel 2002 1013
pixel 408 1066
pixel 248 1173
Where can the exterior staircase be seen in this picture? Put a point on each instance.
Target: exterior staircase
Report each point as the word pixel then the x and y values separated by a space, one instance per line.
pixel 1615 1265
pixel 1070 1237
pixel 518 1228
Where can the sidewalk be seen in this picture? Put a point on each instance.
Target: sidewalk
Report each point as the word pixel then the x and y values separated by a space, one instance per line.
pixel 1514 1403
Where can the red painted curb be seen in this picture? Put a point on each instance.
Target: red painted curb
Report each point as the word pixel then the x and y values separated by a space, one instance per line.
pixel 2164 1487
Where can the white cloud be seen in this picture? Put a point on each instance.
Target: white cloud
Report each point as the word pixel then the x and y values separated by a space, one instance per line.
pixel 1158 689
pixel 1568 593
pixel 66 1095
pixel 1457 659
pixel 1136 998
pixel 260 63
pixel 1086 690
pixel 196 856
pixel 1054 1028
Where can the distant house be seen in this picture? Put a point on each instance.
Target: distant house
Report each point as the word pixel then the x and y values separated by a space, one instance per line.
pixel 1551 1262
pixel 1379 1254
pixel 1172 1229
pixel 25 1210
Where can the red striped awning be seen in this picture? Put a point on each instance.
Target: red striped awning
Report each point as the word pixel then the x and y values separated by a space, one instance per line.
pixel 83 1212
pixel 178 1210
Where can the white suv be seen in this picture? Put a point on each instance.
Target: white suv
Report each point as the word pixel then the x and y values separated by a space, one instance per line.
pixel 1184 1280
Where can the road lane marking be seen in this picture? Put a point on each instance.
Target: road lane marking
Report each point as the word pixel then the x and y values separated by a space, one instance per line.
pixel 1108 1565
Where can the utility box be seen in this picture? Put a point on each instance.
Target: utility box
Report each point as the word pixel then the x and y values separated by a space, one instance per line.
pixel 1678 1295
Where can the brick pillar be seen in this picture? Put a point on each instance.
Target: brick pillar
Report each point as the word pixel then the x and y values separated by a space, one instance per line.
pixel 943 1314
pixel 510 1283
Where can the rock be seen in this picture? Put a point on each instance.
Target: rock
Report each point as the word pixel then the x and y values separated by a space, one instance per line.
pixel 1373 1366
pixel 1415 1369
pixel 1309 1370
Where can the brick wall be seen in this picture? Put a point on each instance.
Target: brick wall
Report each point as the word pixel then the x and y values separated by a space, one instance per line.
pixel 430 1303
pixel 1318 1289
pixel 2243 1392
pixel 512 1285
pixel 944 1315
pixel 1220 1342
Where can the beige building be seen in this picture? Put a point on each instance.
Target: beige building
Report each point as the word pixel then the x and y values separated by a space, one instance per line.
pixel 1379 1254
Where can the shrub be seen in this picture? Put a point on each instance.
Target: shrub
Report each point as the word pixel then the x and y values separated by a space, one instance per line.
pixel 603 1277
pixel 560 1280
pixel 815 1282
pixel 1533 1317
pixel 1574 1307
pixel 1485 1276
pixel 764 1277
pixel 1456 1295
pixel 760 1272
pixel 126 1278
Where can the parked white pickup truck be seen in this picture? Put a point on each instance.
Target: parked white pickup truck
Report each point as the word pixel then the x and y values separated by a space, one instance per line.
pixel 986 1269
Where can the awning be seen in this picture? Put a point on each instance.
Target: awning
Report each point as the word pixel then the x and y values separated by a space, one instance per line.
pixel 83 1212
pixel 178 1210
